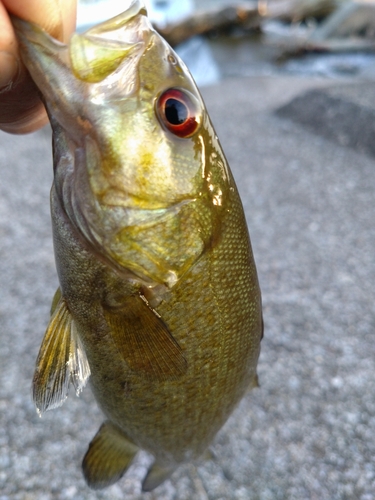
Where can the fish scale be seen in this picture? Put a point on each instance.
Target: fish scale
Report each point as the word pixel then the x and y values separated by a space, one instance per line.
pixel 159 303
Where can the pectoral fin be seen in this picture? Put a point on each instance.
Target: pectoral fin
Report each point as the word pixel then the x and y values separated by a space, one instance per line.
pixel 61 360
pixel 109 455
pixel 55 301
pixel 144 340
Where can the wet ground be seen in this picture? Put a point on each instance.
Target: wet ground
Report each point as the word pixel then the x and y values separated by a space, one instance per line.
pixel 309 196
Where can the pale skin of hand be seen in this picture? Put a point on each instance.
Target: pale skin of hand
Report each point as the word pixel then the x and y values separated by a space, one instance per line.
pixel 21 110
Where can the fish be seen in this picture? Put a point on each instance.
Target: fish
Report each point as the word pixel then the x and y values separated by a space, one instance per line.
pixel 158 304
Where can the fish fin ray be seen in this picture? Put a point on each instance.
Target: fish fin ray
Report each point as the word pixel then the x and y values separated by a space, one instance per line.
pixel 108 457
pixel 254 384
pixel 61 359
pixel 79 365
pixel 144 340
pixel 55 301
pixel 156 475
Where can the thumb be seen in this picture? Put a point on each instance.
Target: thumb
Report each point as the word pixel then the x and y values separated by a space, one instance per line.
pixel 21 110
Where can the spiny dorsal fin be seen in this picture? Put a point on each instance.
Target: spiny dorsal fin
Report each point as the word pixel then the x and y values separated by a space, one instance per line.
pixel 144 340
pixel 61 359
pixel 109 455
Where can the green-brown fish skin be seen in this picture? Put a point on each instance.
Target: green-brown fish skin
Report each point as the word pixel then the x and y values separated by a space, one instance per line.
pixel 159 298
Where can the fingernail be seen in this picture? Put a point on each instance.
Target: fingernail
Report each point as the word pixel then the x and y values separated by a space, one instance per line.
pixel 9 68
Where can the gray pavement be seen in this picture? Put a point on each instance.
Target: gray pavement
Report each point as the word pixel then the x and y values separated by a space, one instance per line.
pixel 309 431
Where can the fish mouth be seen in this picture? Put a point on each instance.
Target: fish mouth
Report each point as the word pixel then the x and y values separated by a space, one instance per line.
pixel 156 239
pixel 111 50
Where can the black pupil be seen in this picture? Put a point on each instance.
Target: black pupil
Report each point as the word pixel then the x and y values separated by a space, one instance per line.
pixel 176 112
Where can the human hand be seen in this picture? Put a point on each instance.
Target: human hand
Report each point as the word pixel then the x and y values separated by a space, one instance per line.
pixel 21 109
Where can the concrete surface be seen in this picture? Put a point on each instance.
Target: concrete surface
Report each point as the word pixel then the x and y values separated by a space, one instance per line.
pixel 309 431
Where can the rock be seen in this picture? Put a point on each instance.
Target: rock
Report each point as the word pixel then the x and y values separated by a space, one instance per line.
pixel 344 114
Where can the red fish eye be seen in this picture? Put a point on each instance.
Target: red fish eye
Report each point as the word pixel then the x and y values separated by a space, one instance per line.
pixel 178 112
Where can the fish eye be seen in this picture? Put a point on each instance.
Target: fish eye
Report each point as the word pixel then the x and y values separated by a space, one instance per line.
pixel 178 112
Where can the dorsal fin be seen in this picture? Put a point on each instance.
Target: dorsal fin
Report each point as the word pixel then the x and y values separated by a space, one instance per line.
pixel 144 340
pixel 61 359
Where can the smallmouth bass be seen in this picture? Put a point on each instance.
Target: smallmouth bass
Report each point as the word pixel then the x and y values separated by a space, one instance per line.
pixel 159 303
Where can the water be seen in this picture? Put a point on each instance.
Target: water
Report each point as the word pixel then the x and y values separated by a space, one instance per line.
pixel 334 65
pixel 210 60
pixel 196 52
pixel 161 12
pixel 248 56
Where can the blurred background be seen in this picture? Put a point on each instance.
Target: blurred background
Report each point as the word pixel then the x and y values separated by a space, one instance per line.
pixel 290 88
pixel 331 38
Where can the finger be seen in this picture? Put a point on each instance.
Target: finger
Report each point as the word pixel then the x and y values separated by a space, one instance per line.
pixel 21 110
pixel 57 17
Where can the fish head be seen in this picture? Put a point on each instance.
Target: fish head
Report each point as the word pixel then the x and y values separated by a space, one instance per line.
pixel 138 167
pixel 137 157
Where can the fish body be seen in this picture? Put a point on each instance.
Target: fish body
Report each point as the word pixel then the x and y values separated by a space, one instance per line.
pixel 159 302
